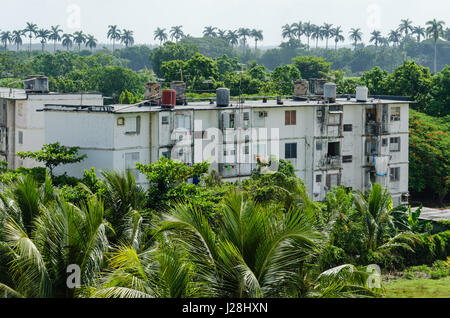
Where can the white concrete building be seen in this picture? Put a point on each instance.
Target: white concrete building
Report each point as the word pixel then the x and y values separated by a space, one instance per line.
pixel 347 143
pixel 22 127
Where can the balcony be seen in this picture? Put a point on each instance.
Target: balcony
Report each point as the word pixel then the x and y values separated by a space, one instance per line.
pixel 376 129
pixel 331 162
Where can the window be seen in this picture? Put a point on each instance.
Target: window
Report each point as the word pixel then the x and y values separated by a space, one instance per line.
pixel 165 120
pixel 291 118
pixel 246 150
pixel 332 180
pixel 395 174
pixel 385 142
pixel 348 128
pixel 20 137
pixel 231 121
pixel 319 146
pixel 395 114
pixel 133 125
pixel 201 135
pixel 246 116
pixel 334 119
pixel 347 159
pixel 334 149
pixel 335 108
pixel 183 122
pixel 291 151
pixel 319 178
pixel 166 154
pixel 120 121
pixel 395 144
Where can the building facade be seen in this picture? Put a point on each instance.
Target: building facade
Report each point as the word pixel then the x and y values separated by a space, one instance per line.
pixel 345 142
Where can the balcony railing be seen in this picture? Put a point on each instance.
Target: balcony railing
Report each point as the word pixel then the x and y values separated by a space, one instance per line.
pixel 376 129
pixel 331 162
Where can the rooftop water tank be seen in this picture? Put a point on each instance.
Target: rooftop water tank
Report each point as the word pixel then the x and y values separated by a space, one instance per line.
pixel 301 88
pixel 169 98
pixel 180 89
pixel 362 93
pixel 329 91
pixel 319 86
pixel 223 97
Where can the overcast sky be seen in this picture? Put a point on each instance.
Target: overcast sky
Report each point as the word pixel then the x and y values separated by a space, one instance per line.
pixel 144 16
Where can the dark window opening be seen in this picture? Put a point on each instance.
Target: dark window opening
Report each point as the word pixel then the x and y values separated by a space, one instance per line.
pixel 347 159
pixel 348 128
pixel 334 149
pixel 291 151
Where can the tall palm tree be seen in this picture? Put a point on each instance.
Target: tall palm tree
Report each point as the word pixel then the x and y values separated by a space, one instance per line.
pixel 5 38
pixel 176 33
pixel 394 37
pixel 244 33
pixel 287 32
pixel 79 38
pixel 376 37
pixel 16 38
pixel 257 35
pixel 114 35
pixel 405 26
pixel 308 30
pixel 161 35
pixel 222 34
pixel 31 29
pixel 127 37
pixel 327 32
pixel 297 29
pixel 43 34
pixel 338 37
pixel 233 37
pixel 91 42
pixel 54 36
pixel 355 35
pixel 447 34
pixel 317 34
pixel 384 42
pixel 435 30
pixel 210 31
pixel 419 32
pixel 67 41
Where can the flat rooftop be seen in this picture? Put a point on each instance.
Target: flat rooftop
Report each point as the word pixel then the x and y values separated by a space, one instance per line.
pixel 206 105
pixel 21 94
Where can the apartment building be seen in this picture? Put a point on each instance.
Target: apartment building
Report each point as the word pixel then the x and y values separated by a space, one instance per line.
pixel 329 141
pixel 21 126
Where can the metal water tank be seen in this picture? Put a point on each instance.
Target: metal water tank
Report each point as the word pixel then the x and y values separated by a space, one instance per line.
pixel 362 93
pixel 180 88
pixel 169 98
pixel 329 91
pixel 223 97
pixel 319 86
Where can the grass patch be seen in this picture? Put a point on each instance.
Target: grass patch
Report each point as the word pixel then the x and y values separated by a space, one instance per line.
pixel 418 288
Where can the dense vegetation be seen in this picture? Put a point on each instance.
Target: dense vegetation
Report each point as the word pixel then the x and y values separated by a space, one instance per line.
pixel 261 238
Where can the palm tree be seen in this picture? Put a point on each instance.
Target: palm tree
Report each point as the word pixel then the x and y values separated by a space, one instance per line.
pixel 16 38
pixel 57 235
pixel 32 29
pixel 257 35
pixel 233 37
pixel 67 41
pixel 113 34
pixel 447 34
pixel 287 32
pixel 161 35
pixel 327 32
pixel 243 34
pixel 405 26
pixel 297 29
pixel 222 34
pixel 419 32
pixel 127 37
pixel 384 42
pixel 54 36
pixel 376 37
pixel 43 34
pixel 5 38
pixel 176 33
pixel 91 42
pixel 308 30
pixel 394 37
pixel 79 38
pixel 435 30
pixel 317 34
pixel 375 210
pixel 355 35
pixel 210 31
pixel 338 37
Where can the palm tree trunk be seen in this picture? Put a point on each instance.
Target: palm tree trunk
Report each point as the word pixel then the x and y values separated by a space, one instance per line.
pixel 435 57
pixel 327 43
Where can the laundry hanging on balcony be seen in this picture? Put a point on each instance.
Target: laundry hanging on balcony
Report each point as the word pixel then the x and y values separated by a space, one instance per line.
pixel 381 165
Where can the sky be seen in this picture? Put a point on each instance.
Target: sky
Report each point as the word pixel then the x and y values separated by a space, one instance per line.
pixel 144 16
